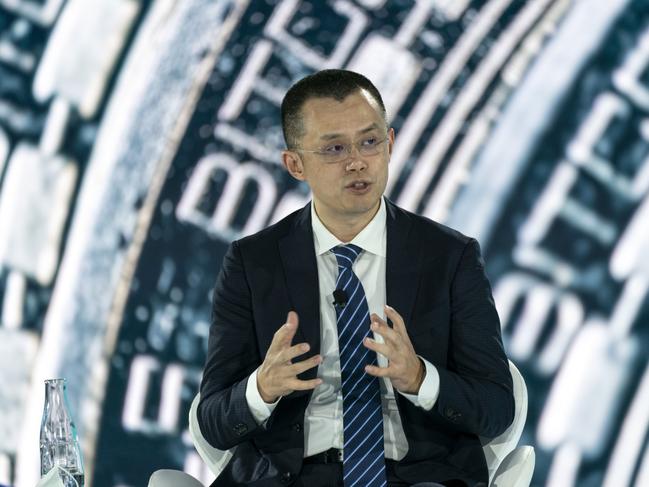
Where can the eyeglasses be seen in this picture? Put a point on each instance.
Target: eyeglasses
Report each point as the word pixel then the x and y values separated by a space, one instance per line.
pixel 337 152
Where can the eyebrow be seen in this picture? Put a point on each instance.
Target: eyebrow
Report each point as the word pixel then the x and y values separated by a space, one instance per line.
pixel 367 129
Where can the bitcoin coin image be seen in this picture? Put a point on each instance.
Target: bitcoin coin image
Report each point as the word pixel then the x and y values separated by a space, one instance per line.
pixel 139 138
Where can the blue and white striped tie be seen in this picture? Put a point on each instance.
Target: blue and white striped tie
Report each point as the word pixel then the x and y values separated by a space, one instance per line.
pixel 363 453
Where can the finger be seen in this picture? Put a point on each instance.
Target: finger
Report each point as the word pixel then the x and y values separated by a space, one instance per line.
pixel 377 371
pixel 291 326
pixel 377 319
pixel 381 348
pixel 303 385
pixel 285 333
pixel 292 318
pixel 374 317
pixel 290 353
pixel 299 367
pixel 396 318
pixel 389 335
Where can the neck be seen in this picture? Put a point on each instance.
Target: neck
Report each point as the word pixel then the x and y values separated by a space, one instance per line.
pixel 347 227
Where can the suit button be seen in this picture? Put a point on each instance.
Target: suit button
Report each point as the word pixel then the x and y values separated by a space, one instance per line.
pixel 452 415
pixel 286 477
pixel 240 429
pixel 297 427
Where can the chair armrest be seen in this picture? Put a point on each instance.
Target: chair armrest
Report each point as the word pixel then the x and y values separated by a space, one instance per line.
pixel 172 478
pixel 215 459
pixel 516 469
pixel 497 449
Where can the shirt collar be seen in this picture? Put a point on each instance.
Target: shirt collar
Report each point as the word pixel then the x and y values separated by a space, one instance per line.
pixel 371 238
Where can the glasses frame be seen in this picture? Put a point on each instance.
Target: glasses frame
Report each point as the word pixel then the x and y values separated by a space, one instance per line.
pixel 348 150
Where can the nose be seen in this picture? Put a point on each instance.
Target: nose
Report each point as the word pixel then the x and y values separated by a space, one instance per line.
pixel 355 161
pixel 355 164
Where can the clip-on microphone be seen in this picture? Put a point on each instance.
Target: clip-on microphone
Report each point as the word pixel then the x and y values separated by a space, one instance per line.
pixel 340 298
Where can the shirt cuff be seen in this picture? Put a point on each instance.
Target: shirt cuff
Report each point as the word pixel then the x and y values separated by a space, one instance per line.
pixel 260 410
pixel 429 389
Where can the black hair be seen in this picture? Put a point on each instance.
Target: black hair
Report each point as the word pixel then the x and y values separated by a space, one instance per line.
pixel 328 83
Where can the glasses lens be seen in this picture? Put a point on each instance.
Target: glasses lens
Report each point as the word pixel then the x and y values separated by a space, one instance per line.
pixel 332 158
pixel 345 150
pixel 370 149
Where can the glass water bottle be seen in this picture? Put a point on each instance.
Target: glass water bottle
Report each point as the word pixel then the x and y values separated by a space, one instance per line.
pixel 59 443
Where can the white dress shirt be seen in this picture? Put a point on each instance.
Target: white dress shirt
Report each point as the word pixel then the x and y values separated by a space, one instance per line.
pixel 323 418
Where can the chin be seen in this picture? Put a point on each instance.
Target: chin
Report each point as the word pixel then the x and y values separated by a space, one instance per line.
pixel 364 206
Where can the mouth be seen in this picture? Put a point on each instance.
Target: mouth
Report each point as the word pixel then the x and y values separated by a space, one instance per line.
pixel 358 185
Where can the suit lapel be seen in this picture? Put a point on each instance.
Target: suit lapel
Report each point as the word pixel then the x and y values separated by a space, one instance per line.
pixel 301 271
pixel 402 261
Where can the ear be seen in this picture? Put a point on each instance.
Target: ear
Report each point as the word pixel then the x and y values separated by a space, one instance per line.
pixel 293 164
pixel 390 140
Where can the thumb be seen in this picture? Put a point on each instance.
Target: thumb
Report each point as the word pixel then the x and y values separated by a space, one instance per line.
pixel 292 319
pixel 291 327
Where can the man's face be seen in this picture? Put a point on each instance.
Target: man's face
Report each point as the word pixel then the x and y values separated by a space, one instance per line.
pixel 329 123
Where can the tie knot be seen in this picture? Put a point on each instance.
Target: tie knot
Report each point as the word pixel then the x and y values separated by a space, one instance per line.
pixel 346 254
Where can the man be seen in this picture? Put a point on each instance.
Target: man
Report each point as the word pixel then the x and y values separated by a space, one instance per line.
pixel 304 374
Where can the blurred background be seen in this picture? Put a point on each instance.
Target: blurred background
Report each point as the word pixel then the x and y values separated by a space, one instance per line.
pixel 138 138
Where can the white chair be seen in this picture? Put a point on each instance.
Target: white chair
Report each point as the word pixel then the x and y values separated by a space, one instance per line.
pixel 172 478
pixel 509 465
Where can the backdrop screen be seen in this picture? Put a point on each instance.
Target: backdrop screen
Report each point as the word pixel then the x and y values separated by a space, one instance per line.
pixel 139 138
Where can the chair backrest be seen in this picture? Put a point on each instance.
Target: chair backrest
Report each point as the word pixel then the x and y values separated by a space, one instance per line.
pixel 216 460
pixel 496 449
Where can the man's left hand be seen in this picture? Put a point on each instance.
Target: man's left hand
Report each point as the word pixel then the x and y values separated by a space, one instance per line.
pixel 405 370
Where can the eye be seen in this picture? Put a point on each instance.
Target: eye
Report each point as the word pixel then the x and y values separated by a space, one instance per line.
pixel 370 141
pixel 333 149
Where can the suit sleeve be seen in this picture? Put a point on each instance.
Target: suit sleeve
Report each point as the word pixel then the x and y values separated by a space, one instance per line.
pixel 224 417
pixel 476 392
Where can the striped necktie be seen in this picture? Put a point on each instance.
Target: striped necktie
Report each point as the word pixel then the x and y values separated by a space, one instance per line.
pixel 363 453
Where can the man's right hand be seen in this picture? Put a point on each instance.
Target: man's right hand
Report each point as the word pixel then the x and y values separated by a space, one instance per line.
pixel 277 375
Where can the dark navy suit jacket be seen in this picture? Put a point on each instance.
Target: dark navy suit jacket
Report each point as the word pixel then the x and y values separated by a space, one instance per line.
pixel 435 279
